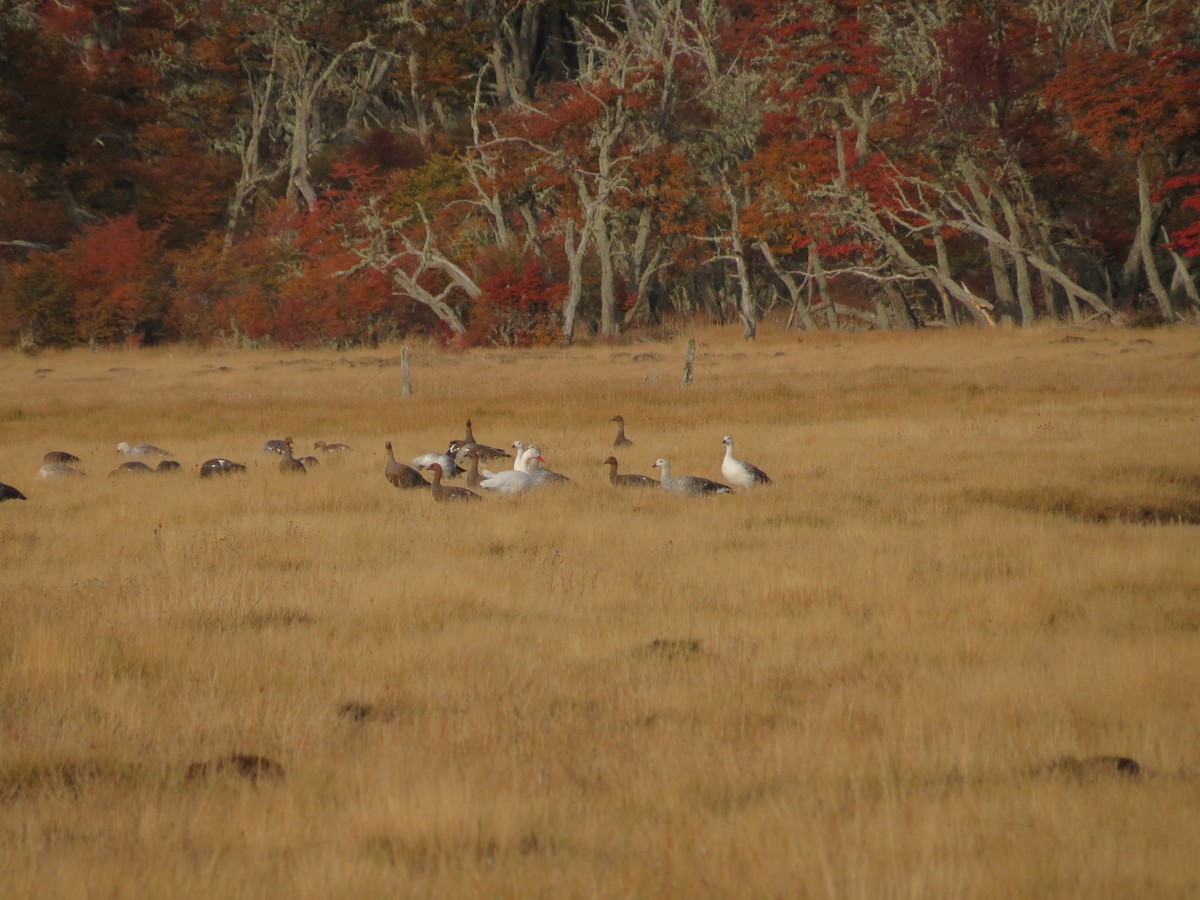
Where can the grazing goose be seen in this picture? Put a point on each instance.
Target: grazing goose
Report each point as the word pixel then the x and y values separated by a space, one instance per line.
pixel 688 484
pixel 740 472
pixel 441 492
pixel 621 440
pixel 627 481
pixel 542 476
pixel 137 451
pixel 58 470
pixel 289 465
pixel 131 468
pixel 331 448
pixel 218 465
pixel 399 474
pixel 8 492
pixel 60 456
pixel 514 481
pixel 276 445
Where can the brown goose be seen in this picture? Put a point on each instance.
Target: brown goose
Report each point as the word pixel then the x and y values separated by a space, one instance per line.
pixel 442 492
pixel 471 455
pixel 399 474
pixel 289 465
pixel 331 448
pixel 458 450
pixel 621 440
pixel 627 481
pixel 688 484
pixel 168 465
pixel 276 445
pixel 60 456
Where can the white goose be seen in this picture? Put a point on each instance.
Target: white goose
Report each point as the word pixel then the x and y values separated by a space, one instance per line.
pixel 137 451
pixel 688 484
pixel 514 481
pixel 740 472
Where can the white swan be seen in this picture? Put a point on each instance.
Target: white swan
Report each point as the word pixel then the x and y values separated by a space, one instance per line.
pixel 740 472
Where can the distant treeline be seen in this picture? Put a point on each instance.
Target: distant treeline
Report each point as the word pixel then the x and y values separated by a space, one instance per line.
pixel 509 171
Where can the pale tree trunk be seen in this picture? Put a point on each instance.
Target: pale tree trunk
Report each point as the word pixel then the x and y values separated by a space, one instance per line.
pixel 801 306
pixel 574 245
pixel 1145 240
pixel 1000 278
pixel 817 268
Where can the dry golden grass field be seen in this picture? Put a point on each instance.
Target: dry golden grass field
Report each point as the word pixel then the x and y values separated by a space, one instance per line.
pixel 899 671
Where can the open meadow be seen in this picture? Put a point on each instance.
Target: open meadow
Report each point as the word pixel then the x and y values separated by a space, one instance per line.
pixel 901 670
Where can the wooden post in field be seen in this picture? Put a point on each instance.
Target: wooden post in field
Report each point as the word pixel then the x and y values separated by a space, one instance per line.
pixel 405 380
pixel 689 362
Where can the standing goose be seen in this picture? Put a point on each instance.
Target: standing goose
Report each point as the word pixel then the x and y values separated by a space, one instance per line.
pixel 289 465
pixel 219 465
pixel 8 492
pixel 688 484
pixel 441 492
pixel 740 472
pixel 473 477
pixel 627 481
pixel 60 456
pixel 621 440
pixel 399 474
pixel 137 451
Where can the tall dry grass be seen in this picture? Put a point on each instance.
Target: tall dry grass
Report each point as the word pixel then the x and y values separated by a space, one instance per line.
pixel 979 556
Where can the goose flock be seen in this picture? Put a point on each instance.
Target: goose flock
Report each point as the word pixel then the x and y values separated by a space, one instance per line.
pixel 463 456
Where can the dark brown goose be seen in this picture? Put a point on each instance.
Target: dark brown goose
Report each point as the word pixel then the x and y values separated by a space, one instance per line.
pixel 441 492
pixel 621 440
pixel 60 456
pixel 168 465
pixel 8 492
pixel 289 465
pixel 627 481
pixel 471 455
pixel 399 474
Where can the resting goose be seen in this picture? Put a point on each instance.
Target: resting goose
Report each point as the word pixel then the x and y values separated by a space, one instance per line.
pixel 289 465
pixel 8 492
pixel 688 484
pixel 514 481
pixel 131 468
pixel 450 468
pixel 218 465
pixel 399 474
pixel 627 481
pixel 276 445
pixel 137 451
pixel 740 472
pixel 331 448
pixel 621 440
pixel 540 475
pixel 58 470
pixel 458 449
pixel 168 465
pixel 441 492
pixel 60 456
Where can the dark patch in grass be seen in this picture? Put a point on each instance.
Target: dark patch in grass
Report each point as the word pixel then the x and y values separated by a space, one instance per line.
pixel 26 779
pixel 670 648
pixel 1089 768
pixel 241 765
pixel 1083 508
pixel 258 620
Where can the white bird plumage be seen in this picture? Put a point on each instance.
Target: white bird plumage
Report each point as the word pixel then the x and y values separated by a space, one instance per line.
pixel 740 472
